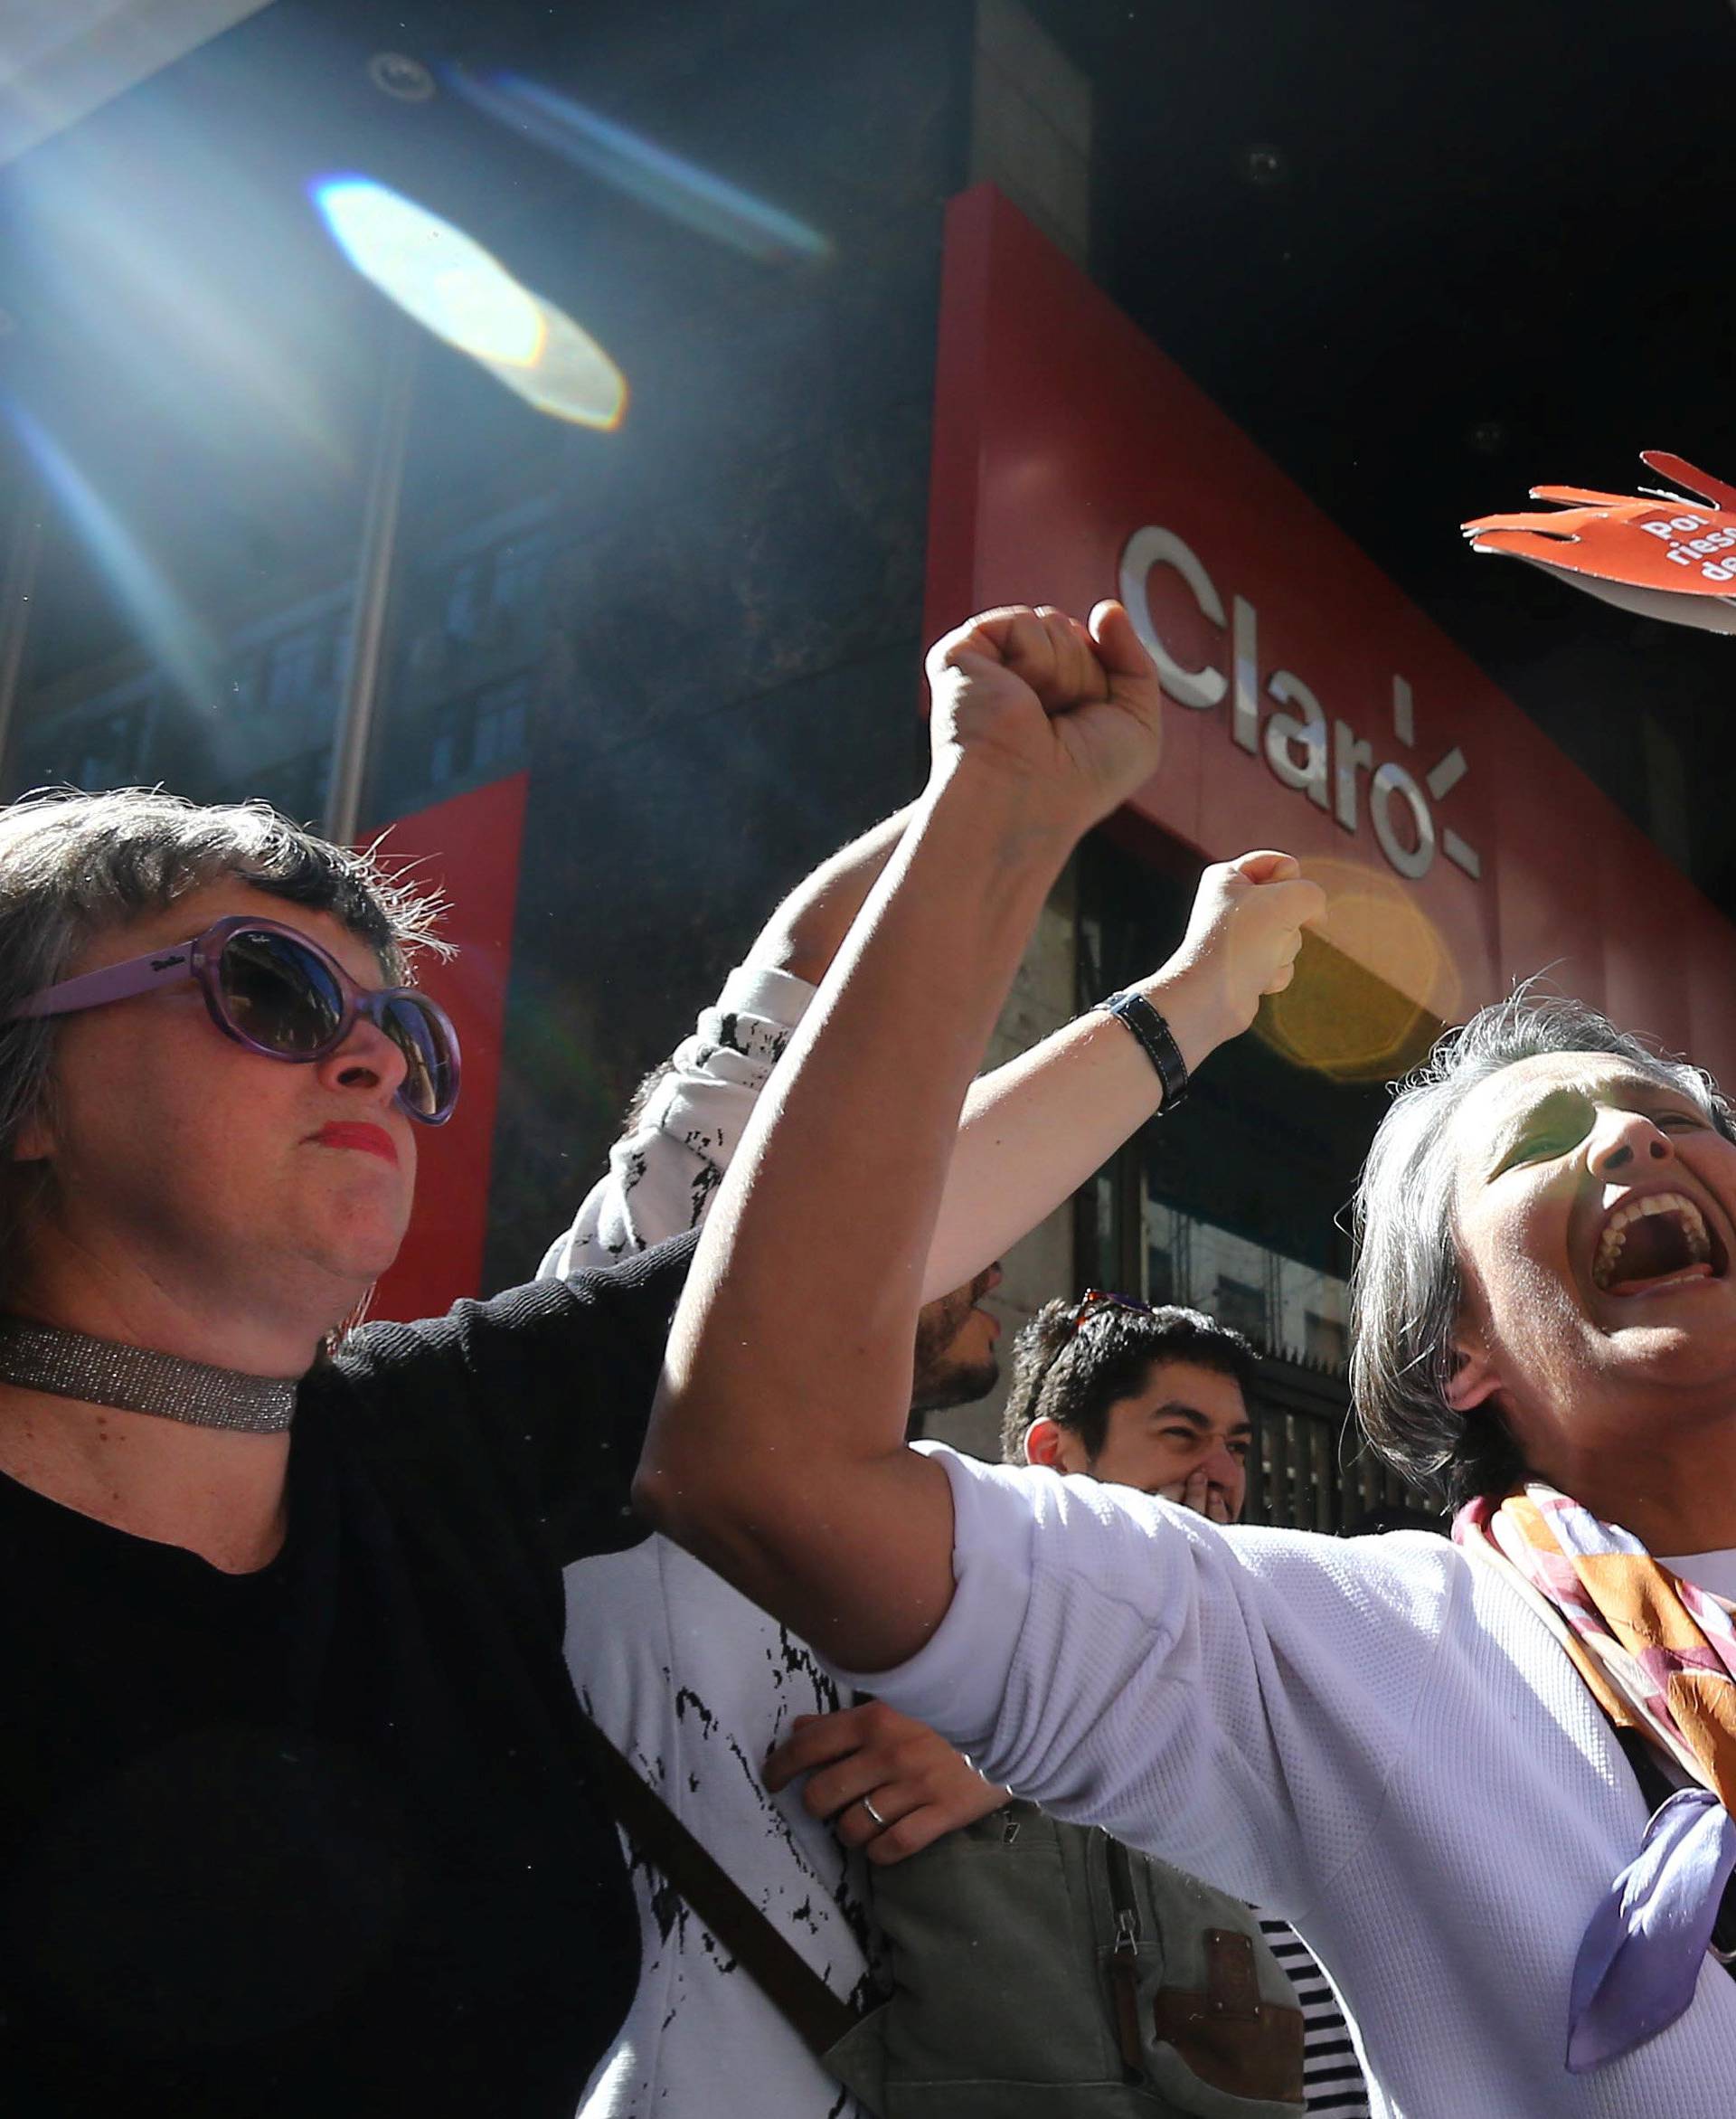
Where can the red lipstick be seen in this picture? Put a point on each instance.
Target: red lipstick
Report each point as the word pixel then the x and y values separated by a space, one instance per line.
pixel 351 1133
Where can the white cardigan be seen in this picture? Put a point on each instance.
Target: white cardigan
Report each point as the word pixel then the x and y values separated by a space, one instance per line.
pixel 1375 1737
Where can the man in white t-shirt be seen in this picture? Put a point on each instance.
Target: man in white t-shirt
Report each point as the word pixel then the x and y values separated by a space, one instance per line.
pixel 692 1681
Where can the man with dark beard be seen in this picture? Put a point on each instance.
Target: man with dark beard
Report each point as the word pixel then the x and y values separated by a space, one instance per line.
pixel 694 1684
pixel 691 1681
pixel 956 1363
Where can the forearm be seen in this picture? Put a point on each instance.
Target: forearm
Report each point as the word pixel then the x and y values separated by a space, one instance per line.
pixel 789 1373
pixel 1033 1130
pixel 665 1171
pixel 1036 1130
pixel 807 930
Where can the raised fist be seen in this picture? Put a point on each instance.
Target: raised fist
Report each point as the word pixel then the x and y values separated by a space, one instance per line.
pixel 1074 710
pixel 1244 934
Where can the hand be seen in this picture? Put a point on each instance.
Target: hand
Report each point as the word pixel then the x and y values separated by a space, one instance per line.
pixel 1197 1492
pixel 1669 557
pixel 915 1780
pixel 1074 710
pixel 1243 937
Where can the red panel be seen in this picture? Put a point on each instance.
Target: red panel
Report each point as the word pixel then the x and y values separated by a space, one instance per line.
pixel 1060 431
pixel 1705 963
pixel 470 849
pixel 1546 896
pixel 1647 909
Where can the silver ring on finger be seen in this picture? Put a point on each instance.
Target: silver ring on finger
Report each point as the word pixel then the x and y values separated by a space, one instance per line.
pixel 881 1822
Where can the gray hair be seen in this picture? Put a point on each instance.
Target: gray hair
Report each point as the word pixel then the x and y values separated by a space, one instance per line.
pixel 75 865
pixel 1406 1290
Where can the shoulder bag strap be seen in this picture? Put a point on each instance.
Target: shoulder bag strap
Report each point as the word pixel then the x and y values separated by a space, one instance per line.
pixel 813 2012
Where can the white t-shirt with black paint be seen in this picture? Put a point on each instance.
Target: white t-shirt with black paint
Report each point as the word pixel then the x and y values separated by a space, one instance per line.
pixel 695 1683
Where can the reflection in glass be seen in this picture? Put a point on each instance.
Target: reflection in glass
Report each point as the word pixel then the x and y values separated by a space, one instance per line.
pixel 463 294
pixel 1312 1470
pixel 1284 1306
pixel 470 625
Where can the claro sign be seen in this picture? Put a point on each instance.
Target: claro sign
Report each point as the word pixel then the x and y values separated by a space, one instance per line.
pixel 1278 718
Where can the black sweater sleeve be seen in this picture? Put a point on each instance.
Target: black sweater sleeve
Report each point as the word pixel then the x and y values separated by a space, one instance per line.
pixel 553 1381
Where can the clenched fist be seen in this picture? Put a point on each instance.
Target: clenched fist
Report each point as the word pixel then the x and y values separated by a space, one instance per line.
pixel 1073 711
pixel 1243 937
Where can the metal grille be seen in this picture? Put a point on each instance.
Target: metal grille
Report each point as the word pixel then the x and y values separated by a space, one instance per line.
pixel 1311 1469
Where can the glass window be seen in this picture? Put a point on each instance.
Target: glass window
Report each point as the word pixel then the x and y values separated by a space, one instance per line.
pixel 463 617
pixel 1241 1305
pixel 294 669
pixel 503 719
pixel 520 562
pixel 1324 1340
pixel 471 631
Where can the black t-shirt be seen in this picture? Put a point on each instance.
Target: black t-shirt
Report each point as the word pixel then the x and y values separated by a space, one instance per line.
pixel 318 1839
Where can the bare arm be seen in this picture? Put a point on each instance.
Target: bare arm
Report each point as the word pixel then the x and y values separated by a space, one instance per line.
pixel 806 932
pixel 1036 1130
pixel 1031 1131
pixel 665 1169
pixel 776 1449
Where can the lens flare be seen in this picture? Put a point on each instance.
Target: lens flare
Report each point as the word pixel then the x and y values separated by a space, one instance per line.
pixel 168 631
pixel 639 167
pixel 1373 989
pixel 465 295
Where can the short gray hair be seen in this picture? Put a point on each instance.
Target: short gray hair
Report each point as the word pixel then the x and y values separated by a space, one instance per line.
pixel 1406 1290
pixel 75 865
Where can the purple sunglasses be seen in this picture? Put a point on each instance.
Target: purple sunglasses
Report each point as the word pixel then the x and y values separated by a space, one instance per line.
pixel 280 995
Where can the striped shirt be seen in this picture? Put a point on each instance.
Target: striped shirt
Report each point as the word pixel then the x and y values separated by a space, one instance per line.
pixel 1332 2075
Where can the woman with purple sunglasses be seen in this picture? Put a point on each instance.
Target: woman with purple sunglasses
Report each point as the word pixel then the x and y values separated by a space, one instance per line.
pixel 292 1816
pixel 295 1807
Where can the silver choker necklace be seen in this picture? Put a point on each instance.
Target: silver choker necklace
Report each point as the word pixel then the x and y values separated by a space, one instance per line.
pixel 135 1379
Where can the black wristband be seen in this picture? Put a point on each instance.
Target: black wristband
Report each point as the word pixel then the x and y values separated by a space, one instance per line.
pixel 1157 1041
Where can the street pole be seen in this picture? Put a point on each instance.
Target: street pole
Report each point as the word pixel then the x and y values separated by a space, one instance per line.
pixel 353 740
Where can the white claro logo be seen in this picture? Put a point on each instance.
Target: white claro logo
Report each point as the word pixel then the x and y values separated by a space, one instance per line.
pixel 1323 763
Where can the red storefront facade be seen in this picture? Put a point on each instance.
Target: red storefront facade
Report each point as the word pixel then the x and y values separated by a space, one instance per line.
pixel 468 851
pixel 1314 706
